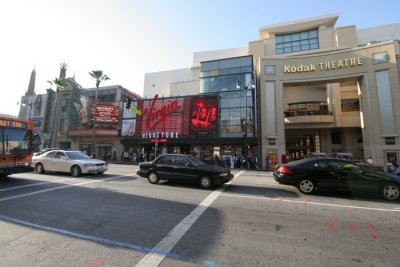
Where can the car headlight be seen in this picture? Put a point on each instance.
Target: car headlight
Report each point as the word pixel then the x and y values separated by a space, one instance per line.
pixel 88 165
pixel 223 174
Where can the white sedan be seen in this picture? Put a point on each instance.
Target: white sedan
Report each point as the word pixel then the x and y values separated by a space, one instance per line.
pixel 73 162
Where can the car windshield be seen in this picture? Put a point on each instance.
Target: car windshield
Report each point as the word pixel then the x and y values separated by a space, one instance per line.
pixel 77 155
pixel 196 161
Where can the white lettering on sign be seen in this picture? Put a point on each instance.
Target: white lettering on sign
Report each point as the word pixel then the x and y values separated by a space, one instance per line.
pixel 327 65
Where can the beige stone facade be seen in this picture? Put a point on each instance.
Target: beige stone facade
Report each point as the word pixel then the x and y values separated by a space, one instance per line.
pixel 341 97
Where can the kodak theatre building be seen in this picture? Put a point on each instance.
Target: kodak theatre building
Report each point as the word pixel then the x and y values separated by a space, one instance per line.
pixel 322 90
pixel 318 89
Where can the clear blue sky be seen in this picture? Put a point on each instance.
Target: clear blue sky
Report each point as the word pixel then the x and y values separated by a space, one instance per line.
pixel 128 38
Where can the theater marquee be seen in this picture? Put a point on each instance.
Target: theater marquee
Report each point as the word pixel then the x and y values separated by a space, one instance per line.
pixel 322 66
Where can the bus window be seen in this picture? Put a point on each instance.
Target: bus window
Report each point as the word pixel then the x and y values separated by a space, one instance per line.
pixel 16 141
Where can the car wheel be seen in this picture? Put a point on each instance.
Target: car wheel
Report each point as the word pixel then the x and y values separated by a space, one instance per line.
pixel 391 191
pixel 39 168
pixel 205 182
pixel 306 186
pixel 153 178
pixel 75 171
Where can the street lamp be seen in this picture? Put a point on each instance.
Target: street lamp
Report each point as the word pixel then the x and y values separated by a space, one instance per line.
pixel 250 86
pixel 30 109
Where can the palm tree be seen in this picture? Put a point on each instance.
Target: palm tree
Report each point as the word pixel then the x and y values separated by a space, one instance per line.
pixel 99 76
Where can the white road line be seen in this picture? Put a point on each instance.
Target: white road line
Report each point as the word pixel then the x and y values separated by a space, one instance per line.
pixel 29 185
pixel 57 188
pixel 161 250
pixel 307 202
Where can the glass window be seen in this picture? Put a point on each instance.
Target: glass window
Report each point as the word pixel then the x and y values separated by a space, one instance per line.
pixel 180 161
pixel 269 69
pixel 59 155
pixel 51 154
pixel 165 160
pixel 302 41
pixel 380 58
pixel 350 104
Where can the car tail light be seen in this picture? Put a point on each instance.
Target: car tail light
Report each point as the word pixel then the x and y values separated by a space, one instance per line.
pixel 284 170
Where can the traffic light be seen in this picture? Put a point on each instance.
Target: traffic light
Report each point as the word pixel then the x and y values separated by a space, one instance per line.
pixel 128 103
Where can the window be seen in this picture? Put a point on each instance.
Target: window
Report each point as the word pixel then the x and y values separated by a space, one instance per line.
pixel 335 137
pixel 59 155
pixel 165 160
pixel 350 105
pixel 295 42
pixel 380 58
pixel 269 69
pixel 180 161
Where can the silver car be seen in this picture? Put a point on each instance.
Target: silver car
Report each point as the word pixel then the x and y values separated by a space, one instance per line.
pixel 74 162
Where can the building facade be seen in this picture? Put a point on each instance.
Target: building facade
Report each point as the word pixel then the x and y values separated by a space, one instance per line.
pixel 64 118
pixel 319 89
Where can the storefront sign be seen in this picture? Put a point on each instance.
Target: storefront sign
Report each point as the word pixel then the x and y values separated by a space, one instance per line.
pixel 161 135
pixel 158 140
pixel 105 114
pixel 162 117
pixel 204 115
pixel 327 65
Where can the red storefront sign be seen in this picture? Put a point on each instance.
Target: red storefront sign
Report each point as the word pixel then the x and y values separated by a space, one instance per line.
pixel 204 115
pixel 105 114
pixel 162 117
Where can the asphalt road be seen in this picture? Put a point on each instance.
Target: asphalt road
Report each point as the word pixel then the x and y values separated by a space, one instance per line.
pixel 119 219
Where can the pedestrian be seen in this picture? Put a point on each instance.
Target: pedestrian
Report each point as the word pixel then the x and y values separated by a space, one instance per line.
pixel 370 161
pixel 284 158
pixel 267 162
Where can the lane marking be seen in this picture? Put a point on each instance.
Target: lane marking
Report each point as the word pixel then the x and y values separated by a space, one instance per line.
pixel 99 240
pixel 311 203
pixel 60 187
pixel 163 248
pixel 29 185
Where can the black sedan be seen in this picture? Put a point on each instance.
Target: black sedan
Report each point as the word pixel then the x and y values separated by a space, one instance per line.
pixel 312 174
pixel 183 168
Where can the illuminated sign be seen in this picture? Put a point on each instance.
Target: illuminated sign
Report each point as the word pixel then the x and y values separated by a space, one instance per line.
pixel 162 118
pixel 158 140
pixel 12 124
pixel 327 65
pixel 203 115
pixel 105 114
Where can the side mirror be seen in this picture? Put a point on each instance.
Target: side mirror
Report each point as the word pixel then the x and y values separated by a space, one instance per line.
pixel 64 157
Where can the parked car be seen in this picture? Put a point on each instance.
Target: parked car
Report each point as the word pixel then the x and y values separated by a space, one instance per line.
pixel 73 162
pixel 183 168
pixel 312 174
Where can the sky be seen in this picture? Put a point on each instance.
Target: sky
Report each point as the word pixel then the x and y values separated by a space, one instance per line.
pixel 128 38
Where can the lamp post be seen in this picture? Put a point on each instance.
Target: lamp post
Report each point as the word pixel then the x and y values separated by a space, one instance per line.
pixel 250 86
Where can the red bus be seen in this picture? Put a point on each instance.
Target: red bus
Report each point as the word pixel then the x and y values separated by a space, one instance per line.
pixel 15 146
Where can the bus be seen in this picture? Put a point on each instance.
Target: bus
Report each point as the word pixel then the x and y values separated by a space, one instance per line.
pixel 15 146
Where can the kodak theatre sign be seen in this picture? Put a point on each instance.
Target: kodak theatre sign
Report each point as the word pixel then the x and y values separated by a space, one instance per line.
pixel 327 65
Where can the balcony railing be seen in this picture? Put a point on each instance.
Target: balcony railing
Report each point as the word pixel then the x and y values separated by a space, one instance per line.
pixel 307 108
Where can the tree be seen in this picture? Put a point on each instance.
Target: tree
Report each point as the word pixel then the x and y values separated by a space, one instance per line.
pixel 99 76
pixel 60 83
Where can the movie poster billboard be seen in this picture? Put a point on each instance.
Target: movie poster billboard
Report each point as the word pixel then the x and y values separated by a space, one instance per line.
pixel 128 127
pixel 203 115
